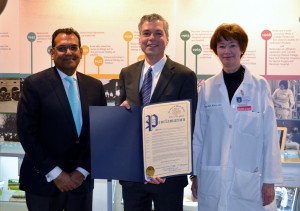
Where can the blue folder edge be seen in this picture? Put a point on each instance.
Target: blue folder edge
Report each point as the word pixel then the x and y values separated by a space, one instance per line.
pixel 116 143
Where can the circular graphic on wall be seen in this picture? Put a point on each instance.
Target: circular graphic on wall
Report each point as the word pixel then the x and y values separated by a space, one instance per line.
pixel 2 5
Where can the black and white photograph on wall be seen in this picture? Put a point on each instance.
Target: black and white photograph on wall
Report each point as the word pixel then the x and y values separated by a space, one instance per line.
pixel 112 91
pixel 9 94
pixel 286 198
pixel 286 98
pixel 292 141
pixel 8 128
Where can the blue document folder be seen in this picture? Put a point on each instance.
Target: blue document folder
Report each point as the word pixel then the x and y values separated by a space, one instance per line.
pixel 116 143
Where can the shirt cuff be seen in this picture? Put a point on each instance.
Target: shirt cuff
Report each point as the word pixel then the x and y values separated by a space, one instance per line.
pixel 53 174
pixel 83 171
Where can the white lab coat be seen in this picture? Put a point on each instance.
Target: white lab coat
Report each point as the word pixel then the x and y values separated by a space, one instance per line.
pixel 235 146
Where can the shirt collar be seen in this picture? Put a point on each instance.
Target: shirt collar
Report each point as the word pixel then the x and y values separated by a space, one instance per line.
pixel 157 67
pixel 63 75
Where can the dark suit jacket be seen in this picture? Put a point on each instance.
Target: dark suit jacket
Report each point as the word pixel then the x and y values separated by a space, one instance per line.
pixel 176 82
pixel 47 131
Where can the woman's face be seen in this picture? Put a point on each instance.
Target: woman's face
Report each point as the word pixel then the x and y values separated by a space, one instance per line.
pixel 282 87
pixel 229 53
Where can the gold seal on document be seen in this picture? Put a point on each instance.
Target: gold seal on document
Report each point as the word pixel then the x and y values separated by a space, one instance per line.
pixel 150 171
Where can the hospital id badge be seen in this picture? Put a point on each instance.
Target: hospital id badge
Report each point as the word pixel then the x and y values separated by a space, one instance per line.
pixel 244 108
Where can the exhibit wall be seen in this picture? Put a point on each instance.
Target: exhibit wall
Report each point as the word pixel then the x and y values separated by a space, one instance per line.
pixel 110 41
pixel 109 37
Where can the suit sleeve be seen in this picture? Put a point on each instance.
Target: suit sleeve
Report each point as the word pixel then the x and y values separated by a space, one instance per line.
pixel 28 123
pixel 189 91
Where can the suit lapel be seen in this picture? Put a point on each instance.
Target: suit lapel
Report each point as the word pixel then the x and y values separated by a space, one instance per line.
pixel 136 83
pixel 165 77
pixel 83 100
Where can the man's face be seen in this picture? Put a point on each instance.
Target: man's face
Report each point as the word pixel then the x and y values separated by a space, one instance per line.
pixel 66 53
pixel 153 40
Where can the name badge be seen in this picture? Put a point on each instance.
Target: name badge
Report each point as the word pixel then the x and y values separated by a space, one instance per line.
pixel 244 108
pixel 213 105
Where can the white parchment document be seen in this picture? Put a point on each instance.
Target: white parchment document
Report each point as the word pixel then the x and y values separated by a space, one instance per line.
pixel 167 139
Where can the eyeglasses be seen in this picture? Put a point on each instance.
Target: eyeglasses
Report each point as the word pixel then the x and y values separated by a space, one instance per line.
pixel 64 48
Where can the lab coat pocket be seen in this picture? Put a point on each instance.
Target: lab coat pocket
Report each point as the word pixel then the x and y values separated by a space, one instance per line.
pixel 250 123
pixel 246 185
pixel 209 181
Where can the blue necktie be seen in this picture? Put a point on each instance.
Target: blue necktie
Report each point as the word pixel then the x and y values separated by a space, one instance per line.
pixel 146 87
pixel 74 102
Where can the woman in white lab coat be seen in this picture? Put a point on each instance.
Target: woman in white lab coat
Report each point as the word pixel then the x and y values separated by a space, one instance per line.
pixel 235 148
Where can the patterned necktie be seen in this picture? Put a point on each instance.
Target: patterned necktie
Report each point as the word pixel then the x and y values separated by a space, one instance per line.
pixel 146 87
pixel 74 102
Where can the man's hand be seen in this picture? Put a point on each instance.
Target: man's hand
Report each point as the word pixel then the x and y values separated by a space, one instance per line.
pixel 125 104
pixel 268 193
pixel 77 177
pixel 194 187
pixel 64 183
pixel 156 180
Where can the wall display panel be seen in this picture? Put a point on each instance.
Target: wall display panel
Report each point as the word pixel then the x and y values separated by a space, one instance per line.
pixel 108 31
pixel 110 36
pixel 273 30
pixel 110 41
pixel 9 37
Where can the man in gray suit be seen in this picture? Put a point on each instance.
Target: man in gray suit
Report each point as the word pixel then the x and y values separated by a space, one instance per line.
pixel 170 81
pixel 55 173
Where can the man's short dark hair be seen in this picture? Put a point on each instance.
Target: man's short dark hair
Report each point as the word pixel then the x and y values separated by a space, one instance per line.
pixel 65 31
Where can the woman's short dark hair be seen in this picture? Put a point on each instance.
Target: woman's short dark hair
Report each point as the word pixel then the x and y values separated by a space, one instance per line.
pixel 228 32
pixel 284 83
pixel 65 31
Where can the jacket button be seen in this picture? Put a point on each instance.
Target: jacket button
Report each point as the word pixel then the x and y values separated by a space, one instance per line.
pixel 230 126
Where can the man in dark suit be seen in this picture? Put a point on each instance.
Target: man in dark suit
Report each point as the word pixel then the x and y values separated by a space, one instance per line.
pixel 55 171
pixel 170 82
